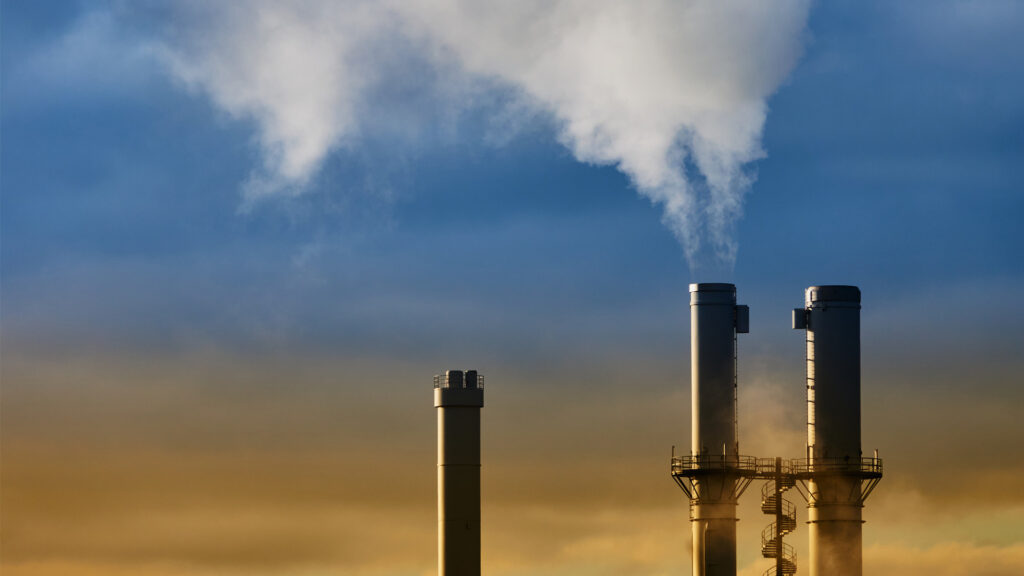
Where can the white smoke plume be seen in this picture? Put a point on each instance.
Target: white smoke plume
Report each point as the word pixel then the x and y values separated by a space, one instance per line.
pixel 671 92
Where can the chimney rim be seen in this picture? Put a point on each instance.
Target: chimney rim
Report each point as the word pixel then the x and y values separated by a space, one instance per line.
pixel 712 287
pixel 832 293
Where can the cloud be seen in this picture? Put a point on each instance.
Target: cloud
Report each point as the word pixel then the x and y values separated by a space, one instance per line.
pixel 657 89
pixel 645 87
pixel 93 60
pixel 296 68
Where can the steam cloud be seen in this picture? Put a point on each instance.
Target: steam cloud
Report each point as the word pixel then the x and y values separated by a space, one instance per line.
pixel 661 89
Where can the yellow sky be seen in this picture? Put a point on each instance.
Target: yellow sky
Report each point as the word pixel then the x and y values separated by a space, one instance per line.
pixel 203 462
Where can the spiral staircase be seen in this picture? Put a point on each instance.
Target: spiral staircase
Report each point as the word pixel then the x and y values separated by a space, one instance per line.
pixel 772 545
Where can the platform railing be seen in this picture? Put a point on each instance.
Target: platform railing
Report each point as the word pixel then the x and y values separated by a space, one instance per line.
pixel 714 462
pixel 859 466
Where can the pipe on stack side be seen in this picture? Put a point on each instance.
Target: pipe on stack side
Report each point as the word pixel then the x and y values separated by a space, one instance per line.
pixel 458 398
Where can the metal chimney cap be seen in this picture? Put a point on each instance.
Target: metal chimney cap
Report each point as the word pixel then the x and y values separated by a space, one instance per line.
pixel 835 293
pixel 712 287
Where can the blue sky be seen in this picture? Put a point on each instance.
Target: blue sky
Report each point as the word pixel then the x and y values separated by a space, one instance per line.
pixel 467 231
pixel 893 156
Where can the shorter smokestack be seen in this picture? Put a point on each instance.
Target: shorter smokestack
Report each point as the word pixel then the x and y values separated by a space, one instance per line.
pixel 458 397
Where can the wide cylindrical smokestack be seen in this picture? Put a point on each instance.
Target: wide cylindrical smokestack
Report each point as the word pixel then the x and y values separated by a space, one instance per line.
pixel 833 371
pixel 831 317
pixel 714 321
pixel 458 397
pixel 713 368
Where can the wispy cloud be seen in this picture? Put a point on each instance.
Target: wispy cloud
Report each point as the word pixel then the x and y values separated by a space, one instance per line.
pixel 95 58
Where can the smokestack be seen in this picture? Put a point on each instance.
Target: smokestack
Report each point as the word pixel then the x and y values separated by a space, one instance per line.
pixel 839 478
pixel 714 475
pixel 458 396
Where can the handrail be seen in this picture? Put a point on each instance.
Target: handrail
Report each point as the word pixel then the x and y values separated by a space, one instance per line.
pixel 788 552
pixel 441 381
pixel 837 465
pixel 766 467
pixel 768 489
pixel 771 531
pixel 790 569
pixel 788 508
pixel 682 464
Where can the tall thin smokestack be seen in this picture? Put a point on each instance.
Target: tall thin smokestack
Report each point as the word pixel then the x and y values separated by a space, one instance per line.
pixel 839 478
pixel 714 475
pixel 458 396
